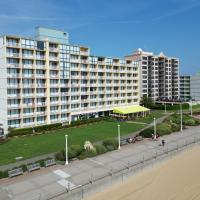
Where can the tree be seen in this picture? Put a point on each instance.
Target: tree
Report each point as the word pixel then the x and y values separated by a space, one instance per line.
pixel 146 102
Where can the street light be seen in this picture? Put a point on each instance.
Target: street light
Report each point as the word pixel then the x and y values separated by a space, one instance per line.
pixel 66 163
pixel 191 107
pixel 181 113
pixel 119 147
pixel 165 108
pixel 154 120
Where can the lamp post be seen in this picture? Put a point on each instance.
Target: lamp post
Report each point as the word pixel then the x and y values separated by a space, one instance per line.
pixel 181 113
pixel 165 108
pixel 66 163
pixel 119 147
pixel 154 120
pixel 191 107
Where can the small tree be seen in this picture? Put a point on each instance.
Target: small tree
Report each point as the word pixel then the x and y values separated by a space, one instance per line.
pixel 146 101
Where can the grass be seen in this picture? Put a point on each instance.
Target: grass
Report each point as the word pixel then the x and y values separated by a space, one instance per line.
pixel 31 146
pixel 149 119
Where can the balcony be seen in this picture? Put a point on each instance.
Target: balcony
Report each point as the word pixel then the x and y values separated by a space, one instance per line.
pixel 40 104
pixel 28 124
pixel 40 66
pixel 15 116
pixel 13 55
pixel 27 66
pixel 55 94
pixel 53 49
pixel 52 58
pixel 13 105
pixel 27 75
pixel 54 76
pixel 75 60
pixel 65 94
pixel 41 113
pixel 13 44
pixel 13 86
pixel 28 114
pixel 28 95
pixel 29 56
pixel 12 65
pixel 41 94
pixel 40 57
pixel 54 102
pixel 27 85
pixel 40 75
pixel 14 95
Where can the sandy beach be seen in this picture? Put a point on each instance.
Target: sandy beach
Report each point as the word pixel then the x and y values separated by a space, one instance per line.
pixel 174 179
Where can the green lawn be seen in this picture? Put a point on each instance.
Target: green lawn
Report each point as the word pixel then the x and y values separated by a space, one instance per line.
pixel 149 118
pixel 31 146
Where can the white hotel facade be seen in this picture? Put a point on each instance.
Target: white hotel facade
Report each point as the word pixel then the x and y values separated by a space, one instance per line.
pixel 46 80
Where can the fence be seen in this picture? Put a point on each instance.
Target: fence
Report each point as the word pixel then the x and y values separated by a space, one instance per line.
pixel 147 159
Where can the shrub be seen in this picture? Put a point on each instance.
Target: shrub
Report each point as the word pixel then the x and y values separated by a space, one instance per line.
pixel 60 155
pixel 110 144
pixel 175 127
pixel 100 149
pixel 164 129
pixel 3 174
pixel 147 133
pixel 74 151
pixel 36 129
pixel 87 154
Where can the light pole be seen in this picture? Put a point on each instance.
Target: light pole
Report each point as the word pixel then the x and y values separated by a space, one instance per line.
pixel 181 113
pixel 191 107
pixel 119 147
pixel 165 108
pixel 66 163
pixel 154 120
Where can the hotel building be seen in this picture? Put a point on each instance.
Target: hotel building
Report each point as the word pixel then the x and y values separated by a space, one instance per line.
pixel 185 88
pixel 159 75
pixel 46 80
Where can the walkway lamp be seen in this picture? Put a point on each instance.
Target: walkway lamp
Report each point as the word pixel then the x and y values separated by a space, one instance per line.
pixel 191 111
pixel 154 120
pixel 181 113
pixel 66 163
pixel 119 147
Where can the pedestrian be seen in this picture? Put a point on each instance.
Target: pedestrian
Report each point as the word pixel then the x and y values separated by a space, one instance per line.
pixel 163 142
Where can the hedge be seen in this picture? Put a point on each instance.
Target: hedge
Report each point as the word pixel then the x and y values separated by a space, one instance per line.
pixel 50 127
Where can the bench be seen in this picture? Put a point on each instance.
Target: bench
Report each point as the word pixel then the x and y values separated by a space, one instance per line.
pixel 33 167
pixel 123 141
pixel 15 172
pixel 49 162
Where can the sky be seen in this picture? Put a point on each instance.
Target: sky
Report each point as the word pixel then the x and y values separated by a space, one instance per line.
pixel 114 28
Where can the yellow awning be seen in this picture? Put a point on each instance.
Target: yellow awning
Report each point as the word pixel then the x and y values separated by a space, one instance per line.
pixel 130 109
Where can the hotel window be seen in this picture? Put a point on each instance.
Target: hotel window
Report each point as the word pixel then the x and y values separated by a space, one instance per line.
pixel 28 43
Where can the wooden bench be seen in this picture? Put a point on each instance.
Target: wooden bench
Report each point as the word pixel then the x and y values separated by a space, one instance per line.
pixel 15 172
pixel 49 162
pixel 33 167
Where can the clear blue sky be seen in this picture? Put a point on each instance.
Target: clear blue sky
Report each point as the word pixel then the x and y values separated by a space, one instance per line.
pixel 114 27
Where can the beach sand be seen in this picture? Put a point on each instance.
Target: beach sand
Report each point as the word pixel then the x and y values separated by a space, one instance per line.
pixel 175 179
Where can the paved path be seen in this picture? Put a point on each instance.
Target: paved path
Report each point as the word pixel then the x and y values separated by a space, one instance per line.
pixel 51 155
pixel 47 182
